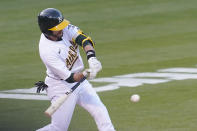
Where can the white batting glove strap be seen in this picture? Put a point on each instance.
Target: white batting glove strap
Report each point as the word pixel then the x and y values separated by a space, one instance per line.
pixel 89 73
pixel 94 64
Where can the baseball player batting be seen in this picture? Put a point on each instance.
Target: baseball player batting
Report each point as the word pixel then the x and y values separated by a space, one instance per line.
pixel 59 50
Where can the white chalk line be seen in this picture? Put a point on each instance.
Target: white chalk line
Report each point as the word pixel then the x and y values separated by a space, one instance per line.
pixel 115 82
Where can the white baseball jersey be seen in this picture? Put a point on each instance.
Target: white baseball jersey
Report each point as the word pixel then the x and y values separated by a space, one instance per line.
pixel 61 58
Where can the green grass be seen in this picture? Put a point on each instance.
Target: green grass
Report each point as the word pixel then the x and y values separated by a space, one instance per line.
pixel 131 36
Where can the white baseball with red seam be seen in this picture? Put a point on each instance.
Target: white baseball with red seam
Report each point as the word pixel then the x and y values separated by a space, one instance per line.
pixel 135 98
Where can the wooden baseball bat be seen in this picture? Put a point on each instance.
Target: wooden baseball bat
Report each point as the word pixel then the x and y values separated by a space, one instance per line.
pixel 54 106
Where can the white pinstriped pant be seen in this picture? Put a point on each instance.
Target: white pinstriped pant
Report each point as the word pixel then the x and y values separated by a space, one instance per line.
pixel 85 96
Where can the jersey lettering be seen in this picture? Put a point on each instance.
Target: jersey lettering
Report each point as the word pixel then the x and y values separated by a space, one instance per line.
pixel 72 57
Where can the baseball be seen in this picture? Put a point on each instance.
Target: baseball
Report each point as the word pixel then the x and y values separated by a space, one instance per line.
pixel 135 98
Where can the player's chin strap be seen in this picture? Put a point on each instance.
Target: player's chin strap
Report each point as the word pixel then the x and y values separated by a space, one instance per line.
pixel 41 86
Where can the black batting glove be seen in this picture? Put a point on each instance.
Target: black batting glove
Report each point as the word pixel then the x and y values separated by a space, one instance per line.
pixel 41 86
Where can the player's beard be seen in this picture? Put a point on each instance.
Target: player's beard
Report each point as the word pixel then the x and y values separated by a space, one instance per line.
pixel 58 35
